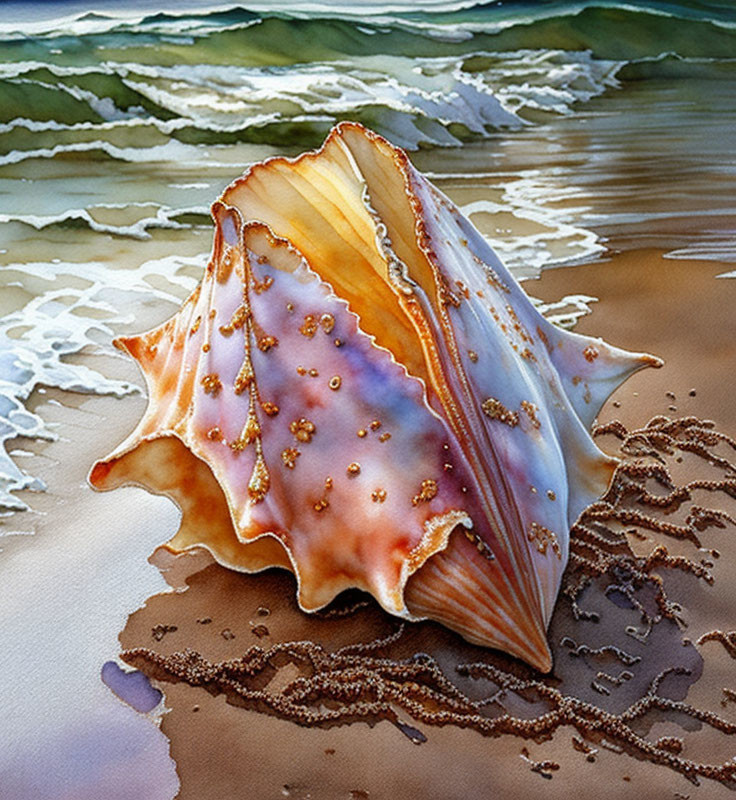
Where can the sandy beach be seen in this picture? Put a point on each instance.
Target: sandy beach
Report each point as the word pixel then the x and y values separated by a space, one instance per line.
pixel 675 309
pixel 212 746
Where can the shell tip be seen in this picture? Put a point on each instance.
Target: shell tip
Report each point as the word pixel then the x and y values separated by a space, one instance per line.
pixel 98 474
pixel 652 361
pixel 543 659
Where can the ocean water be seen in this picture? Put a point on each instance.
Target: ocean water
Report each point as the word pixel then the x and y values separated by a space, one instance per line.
pixel 562 128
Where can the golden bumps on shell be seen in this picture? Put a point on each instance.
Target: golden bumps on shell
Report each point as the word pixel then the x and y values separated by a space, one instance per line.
pixel 359 392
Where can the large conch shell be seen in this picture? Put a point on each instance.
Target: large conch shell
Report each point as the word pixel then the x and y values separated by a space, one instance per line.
pixel 360 392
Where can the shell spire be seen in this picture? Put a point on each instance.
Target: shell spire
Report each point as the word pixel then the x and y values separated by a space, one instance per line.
pixel 360 392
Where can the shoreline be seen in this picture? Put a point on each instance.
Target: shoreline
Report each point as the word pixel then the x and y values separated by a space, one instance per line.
pixel 667 307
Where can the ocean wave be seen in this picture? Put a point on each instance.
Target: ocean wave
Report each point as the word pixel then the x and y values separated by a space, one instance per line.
pixel 673 66
pixel 599 25
pixel 171 151
pixel 422 75
pixel 140 229
pixel 470 15
pixel 436 101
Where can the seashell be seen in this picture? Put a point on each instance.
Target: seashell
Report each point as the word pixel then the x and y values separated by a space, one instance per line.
pixel 359 391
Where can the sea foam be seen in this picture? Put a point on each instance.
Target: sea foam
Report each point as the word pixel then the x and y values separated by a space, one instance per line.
pixel 36 340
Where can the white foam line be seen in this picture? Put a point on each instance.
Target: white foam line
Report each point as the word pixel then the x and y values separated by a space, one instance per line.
pixel 137 230
pixel 531 251
pixel 55 325
pixel 171 151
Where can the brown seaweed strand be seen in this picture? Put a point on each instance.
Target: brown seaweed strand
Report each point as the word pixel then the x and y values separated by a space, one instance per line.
pixel 663 436
pixel 595 722
pixel 726 638
pixel 342 611
pixel 596 547
pixel 341 688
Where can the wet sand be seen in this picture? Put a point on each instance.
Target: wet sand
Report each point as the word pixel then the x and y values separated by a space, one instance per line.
pixel 674 309
pixel 71 574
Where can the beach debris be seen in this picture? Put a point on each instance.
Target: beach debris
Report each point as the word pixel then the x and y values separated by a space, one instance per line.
pixel 159 631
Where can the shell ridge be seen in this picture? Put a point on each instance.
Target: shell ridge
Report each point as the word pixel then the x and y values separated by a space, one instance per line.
pixel 522 565
pixel 546 594
pixel 432 356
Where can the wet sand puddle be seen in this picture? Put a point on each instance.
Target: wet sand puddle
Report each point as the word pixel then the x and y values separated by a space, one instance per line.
pixel 624 663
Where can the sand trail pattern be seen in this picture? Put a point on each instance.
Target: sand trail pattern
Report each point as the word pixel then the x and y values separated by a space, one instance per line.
pixel 622 658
